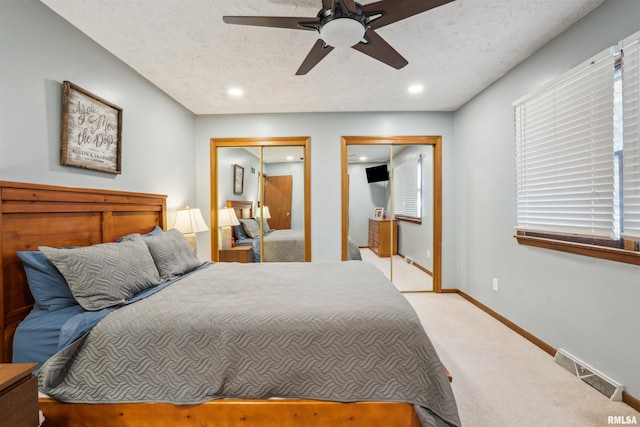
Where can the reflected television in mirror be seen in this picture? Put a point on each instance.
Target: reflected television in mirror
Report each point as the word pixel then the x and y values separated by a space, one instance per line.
pixel 377 173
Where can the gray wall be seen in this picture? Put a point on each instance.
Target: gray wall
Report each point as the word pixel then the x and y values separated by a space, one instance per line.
pixel 364 198
pixel 39 51
pixel 227 157
pixel 325 130
pixel 416 240
pixel 586 306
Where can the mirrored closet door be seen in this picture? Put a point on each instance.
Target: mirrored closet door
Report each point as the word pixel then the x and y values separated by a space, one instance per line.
pixel 260 199
pixel 391 207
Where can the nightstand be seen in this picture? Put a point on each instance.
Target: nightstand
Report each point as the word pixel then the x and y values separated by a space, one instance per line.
pixel 18 395
pixel 236 254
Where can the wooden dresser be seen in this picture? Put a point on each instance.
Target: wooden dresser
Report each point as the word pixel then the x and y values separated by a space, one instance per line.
pixel 380 236
pixel 18 395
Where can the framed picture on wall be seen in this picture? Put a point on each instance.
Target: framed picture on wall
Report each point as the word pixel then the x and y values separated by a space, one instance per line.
pixel 238 179
pixel 91 131
pixel 378 213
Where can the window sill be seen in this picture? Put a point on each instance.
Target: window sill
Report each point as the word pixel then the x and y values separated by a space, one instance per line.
pixel 611 254
pixel 408 219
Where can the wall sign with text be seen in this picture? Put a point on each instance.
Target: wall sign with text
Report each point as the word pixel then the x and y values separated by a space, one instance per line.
pixel 91 131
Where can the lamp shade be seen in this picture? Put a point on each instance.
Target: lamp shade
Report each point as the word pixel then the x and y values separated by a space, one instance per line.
pixel 264 211
pixel 227 217
pixel 190 221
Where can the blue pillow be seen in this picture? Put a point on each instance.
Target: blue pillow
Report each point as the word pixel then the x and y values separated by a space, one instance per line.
pixel 239 233
pixel 49 289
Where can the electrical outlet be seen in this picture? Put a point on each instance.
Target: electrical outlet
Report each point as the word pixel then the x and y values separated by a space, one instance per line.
pixel 495 284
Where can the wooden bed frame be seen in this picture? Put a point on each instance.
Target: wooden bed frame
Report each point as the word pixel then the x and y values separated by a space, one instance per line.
pixel 32 215
pixel 242 208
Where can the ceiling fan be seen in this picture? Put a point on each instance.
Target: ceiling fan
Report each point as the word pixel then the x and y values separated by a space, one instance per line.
pixel 345 23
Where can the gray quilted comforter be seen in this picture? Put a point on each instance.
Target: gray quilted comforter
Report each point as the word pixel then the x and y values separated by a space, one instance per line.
pixel 284 246
pixel 327 331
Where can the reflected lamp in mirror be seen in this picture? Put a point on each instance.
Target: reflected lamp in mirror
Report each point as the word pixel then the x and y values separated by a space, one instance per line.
pixel 262 211
pixel 226 219
pixel 189 221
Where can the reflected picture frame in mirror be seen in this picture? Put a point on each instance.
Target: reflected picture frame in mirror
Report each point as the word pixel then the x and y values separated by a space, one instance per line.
pixel 238 179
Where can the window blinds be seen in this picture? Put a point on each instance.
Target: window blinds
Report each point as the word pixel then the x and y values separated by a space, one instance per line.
pixel 407 188
pixel 564 154
pixel 631 126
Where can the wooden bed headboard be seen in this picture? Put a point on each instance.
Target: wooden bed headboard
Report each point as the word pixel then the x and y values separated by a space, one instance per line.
pixel 242 208
pixel 33 215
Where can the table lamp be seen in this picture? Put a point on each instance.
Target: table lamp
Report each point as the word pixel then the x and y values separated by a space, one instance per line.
pixel 264 211
pixel 189 221
pixel 226 218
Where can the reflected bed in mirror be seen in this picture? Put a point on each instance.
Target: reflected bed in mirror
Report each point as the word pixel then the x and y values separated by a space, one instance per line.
pixel 277 245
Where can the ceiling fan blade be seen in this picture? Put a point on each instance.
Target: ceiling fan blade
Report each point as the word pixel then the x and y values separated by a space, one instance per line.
pixel 291 23
pixel 315 55
pixel 327 4
pixel 377 48
pixel 395 10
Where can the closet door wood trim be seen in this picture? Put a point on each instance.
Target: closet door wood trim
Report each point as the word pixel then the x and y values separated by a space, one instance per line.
pixel 433 140
pixel 302 141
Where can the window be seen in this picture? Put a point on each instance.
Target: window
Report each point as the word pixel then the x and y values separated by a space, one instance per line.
pixel 407 189
pixel 577 159
pixel 631 140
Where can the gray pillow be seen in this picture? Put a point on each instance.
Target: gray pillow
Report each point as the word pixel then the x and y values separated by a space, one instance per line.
pixel 252 227
pixel 107 274
pixel 156 230
pixel 172 254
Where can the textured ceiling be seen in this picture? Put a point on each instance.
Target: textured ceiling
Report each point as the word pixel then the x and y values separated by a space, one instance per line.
pixel 185 49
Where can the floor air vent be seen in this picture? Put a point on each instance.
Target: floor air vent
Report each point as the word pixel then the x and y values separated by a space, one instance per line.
pixel 586 373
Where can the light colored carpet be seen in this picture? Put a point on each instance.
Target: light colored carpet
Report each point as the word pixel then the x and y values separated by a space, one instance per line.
pixel 499 378
pixel 406 277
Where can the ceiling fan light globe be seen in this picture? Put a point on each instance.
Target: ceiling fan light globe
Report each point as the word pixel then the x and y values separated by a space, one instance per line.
pixel 342 32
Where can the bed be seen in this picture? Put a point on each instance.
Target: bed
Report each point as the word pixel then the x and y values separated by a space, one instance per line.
pixel 34 215
pixel 277 245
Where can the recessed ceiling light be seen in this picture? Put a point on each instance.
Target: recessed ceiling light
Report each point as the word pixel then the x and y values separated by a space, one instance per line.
pixel 417 88
pixel 289 157
pixel 235 91
pixel 363 158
